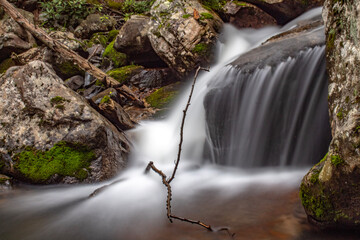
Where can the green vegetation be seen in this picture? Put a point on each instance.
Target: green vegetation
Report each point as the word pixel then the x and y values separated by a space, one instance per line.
pixel 65 13
pixel 186 16
pixel 124 73
pixel 69 69
pixel 330 43
pixel 131 6
pixel 118 58
pixel 99 83
pixel 201 49
pixel 315 201
pixel 64 158
pixel 6 64
pixel 336 160
pixel 105 99
pixel 206 15
pixel 215 5
pixel 340 114
pixel 57 100
pixel 162 97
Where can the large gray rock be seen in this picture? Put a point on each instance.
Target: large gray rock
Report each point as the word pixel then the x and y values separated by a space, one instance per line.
pixel 13 38
pixel 133 40
pixel 183 33
pixel 330 191
pixel 38 111
pixel 285 10
pixel 94 23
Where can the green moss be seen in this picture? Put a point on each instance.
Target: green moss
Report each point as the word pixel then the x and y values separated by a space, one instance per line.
pixel 162 97
pixel 69 69
pixel 186 16
pixel 124 73
pixel 316 203
pixel 330 43
pixel 6 64
pixel 118 58
pixel 99 83
pixel 340 114
pixel 112 35
pixel 201 49
pixel 216 5
pixel 315 176
pixel 336 160
pixel 206 15
pixel 57 100
pixel 105 99
pixel 324 158
pixel 60 106
pixel 64 158
pixel 2 164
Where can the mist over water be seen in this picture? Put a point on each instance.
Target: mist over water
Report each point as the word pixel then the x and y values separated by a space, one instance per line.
pixel 134 207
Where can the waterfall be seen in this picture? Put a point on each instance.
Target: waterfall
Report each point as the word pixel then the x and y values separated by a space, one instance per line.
pixel 274 116
pixel 271 119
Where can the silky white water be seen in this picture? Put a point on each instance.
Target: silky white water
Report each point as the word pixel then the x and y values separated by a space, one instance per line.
pixel 134 208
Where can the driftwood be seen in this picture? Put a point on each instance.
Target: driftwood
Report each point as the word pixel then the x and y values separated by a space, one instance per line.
pixel 67 53
pixel 167 182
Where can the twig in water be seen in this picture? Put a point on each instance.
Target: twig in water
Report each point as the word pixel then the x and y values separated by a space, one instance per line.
pixel 167 182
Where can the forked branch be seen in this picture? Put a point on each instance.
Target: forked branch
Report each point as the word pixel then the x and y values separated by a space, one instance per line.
pixel 167 182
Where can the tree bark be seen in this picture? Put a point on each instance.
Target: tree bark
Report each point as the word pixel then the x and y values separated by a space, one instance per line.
pixel 68 53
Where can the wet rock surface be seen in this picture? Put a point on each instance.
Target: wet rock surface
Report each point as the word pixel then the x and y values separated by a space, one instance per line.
pixel 330 191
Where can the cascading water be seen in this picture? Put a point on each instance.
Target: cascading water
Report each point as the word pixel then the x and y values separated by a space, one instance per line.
pixel 275 116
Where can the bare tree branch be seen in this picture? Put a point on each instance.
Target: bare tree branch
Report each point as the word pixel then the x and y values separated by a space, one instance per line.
pixel 183 122
pixel 167 182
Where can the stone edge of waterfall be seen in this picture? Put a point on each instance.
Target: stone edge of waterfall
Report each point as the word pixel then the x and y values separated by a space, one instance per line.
pixel 282 46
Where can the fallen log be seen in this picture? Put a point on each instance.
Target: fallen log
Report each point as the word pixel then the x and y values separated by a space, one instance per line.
pixel 67 53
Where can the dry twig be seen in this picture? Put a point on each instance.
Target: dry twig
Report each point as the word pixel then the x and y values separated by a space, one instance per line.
pixel 167 182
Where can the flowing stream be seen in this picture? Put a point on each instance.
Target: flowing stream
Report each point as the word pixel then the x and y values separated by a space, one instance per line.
pixel 243 159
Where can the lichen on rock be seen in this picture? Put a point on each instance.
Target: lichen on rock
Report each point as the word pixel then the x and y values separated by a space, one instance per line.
pixel 40 112
pixel 174 37
pixel 340 175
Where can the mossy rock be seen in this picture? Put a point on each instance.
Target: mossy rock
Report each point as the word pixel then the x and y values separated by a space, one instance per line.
pixel 64 159
pixel 118 58
pixel 67 69
pixel 163 96
pixel 6 64
pixel 124 74
pixel 103 38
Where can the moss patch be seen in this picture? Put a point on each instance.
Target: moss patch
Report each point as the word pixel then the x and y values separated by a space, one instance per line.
pixel 201 49
pixel 163 96
pixel 105 99
pixel 6 64
pixel 317 203
pixel 57 100
pixel 68 69
pixel 336 160
pixel 206 15
pixel 124 73
pixel 64 158
pixel 118 58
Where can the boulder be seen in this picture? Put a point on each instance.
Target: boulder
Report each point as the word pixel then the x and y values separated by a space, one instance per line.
pixel 284 11
pixel 152 78
pixel 5 183
pixel 75 82
pixel 13 38
pixel 247 16
pixel 330 191
pixel 133 40
pixel 94 23
pixel 49 134
pixel 183 33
